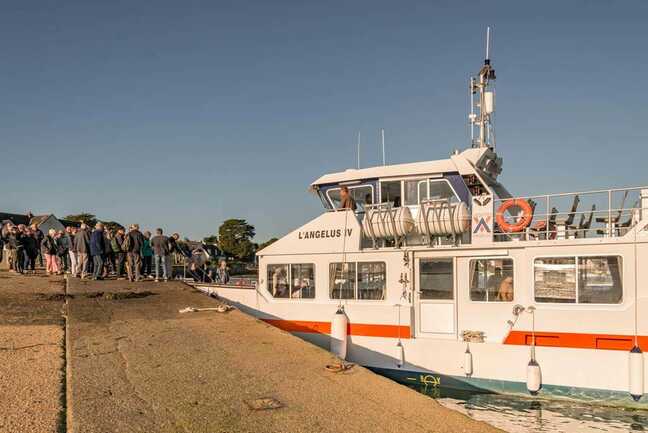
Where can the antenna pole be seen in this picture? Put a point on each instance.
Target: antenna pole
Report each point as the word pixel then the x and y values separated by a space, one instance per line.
pixel 382 140
pixel 358 144
pixel 487 43
pixel 482 102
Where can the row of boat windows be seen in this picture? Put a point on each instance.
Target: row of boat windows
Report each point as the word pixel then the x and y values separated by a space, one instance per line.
pixel 355 280
pixel 397 192
pixel 572 280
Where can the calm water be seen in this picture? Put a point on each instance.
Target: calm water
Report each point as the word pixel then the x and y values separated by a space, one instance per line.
pixel 522 415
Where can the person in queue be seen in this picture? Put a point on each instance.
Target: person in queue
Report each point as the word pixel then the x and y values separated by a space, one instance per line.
pixel 49 250
pixel 160 246
pixel 82 248
pixel 97 251
pixel 133 243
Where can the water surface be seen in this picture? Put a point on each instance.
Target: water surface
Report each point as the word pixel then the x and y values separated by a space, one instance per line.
pixel 528 415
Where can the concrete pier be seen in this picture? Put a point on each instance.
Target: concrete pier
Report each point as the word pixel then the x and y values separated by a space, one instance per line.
pixel 135 364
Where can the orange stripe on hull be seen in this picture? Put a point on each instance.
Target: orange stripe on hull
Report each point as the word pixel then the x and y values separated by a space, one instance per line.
pixel 359 329
pixel 576 341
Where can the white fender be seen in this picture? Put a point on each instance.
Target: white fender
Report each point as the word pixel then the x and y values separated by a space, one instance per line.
pixel 400 354
pixel 534 377
pixel 636 373
pixel 339 334
pixel 468 362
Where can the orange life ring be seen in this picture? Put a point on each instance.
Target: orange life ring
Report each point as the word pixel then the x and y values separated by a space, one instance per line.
pixel 523 222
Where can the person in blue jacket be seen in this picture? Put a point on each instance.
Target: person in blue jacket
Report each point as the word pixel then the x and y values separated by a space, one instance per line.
pixel 97 248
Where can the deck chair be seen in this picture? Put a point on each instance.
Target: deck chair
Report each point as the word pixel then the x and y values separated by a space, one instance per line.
pixel 585 223
pixel 612 223
pixel 572 213
pixel 539 229
pixel 624 227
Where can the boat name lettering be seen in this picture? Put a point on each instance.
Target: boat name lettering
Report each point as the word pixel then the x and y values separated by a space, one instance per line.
pixel 320 234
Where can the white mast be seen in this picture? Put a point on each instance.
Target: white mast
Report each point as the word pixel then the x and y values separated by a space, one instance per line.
pixel 382 140
pixel 482 102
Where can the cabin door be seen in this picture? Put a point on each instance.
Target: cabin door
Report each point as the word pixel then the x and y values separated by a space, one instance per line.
pixel 436 308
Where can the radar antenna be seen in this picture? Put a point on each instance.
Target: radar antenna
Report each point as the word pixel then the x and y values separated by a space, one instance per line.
pixel 482 102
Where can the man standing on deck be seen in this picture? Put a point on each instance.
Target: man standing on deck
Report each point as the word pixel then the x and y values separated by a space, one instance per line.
pixel 97 250
pixel 134 242
pixel 346 201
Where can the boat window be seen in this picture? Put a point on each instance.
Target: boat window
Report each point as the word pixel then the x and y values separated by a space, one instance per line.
pixel 302 277
pixel 371 280
pixel 595 280
pixel 555 279
pixel 363 280
pixel 599 280
pixel 278 281
pixel 342 279
pixel 415 191
pixel 390 192
pixel 303 281
pixel 491 280
pixel 362 194
pixel 428 189
pixel 440 189
pixel 436 277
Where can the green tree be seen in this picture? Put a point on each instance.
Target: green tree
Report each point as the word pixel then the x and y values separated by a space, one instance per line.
pixel 267 243
pixel 112 225
pixel 235 238
pixel 88 218
pixel 213 239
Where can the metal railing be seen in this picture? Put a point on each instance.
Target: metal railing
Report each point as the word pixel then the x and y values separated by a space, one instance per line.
pixel 583 214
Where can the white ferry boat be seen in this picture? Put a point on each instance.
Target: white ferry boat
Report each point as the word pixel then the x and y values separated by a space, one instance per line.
pixel 440 276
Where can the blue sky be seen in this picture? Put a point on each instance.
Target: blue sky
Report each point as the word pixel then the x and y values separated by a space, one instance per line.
pixel 181 114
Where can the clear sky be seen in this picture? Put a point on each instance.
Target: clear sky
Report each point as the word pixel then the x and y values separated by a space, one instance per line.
pixel 181 113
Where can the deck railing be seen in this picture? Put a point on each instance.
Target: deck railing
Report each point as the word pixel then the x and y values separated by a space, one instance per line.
pixel 585 214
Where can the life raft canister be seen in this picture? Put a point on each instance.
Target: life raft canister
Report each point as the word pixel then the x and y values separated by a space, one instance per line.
pixel 524 219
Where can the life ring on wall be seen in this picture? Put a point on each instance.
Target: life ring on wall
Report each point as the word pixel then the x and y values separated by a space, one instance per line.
pixel 524 219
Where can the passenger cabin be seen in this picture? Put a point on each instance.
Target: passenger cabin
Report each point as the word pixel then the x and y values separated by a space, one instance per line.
pixel 458 201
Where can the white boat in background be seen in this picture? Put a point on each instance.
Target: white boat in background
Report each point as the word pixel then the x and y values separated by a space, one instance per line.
pixel 441 277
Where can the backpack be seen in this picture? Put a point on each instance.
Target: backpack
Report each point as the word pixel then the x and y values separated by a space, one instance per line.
pixel 127 242
pixel 115 245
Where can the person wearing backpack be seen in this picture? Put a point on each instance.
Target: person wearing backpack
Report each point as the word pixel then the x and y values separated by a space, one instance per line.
pixel 119 254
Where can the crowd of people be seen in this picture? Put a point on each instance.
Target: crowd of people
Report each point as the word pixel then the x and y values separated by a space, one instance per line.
pixel 95 253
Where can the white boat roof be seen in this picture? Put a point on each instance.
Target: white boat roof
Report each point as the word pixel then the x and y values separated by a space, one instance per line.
pixel 463 163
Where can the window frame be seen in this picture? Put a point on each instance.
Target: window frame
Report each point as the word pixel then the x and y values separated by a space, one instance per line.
pixel 427 180
pixel 512 259
pixel 454 270
pixel 577 280
pixel 290 282
pixel 351 187
pixel 355 285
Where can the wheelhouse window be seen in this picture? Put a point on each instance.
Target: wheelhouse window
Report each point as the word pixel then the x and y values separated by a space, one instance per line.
pixel 491 280
pixel 362 280
pixel 437 279
pixel 583 280
pixel 292 281
pixel 361 194
pixel 419 190
pixel 390 192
